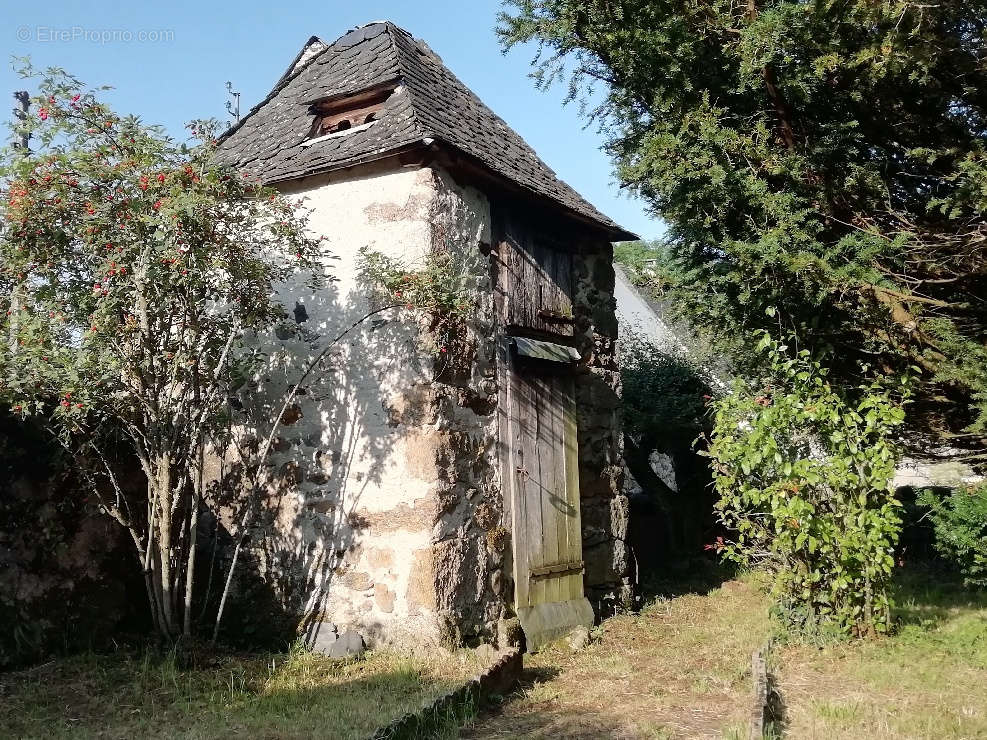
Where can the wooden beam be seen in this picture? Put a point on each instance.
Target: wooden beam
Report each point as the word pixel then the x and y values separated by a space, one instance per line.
pixel 328 101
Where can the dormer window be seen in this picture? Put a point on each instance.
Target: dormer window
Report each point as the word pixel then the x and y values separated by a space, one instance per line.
pixel 348 112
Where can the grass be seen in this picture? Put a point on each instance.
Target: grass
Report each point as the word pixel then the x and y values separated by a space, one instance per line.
pixel 681 669
pixel 927 681
pixel 292 695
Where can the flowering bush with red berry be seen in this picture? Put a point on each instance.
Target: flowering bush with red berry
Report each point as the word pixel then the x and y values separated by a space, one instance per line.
pixel 803 475
pixel 133 267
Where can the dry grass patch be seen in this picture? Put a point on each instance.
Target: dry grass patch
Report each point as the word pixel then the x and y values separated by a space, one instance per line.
pixel 928 681
pixel 679 668
pixel 293 695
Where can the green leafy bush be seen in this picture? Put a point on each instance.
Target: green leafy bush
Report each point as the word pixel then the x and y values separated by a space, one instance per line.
pixel 663 392
pixel 648 264
pixel 663 407
pixel 437 285
pixel 804 474
pixel 959 521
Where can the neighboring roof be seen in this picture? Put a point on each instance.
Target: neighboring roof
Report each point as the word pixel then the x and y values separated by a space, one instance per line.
pixel 431 103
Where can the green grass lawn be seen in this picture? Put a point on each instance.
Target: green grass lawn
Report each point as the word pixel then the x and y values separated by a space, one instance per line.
pixel 927 681
pixel 293 695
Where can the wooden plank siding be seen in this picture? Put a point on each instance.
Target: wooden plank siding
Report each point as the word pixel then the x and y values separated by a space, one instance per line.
pixel 539 463
pixel 536 282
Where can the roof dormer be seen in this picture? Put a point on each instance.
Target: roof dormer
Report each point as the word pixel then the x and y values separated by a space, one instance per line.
pixel 351 112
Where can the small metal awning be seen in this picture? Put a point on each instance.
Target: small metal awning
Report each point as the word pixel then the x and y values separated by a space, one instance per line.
pixel 541 350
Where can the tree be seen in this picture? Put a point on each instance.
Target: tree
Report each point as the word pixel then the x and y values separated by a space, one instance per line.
pixel 826 159
pixel 959 522
pixel 134 272
pixel 803 475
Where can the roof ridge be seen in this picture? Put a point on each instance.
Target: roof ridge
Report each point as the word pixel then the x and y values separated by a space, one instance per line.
pixel 401 35
pixel 290 73
pixel 392 28
pixel 298 63
pixel 433 104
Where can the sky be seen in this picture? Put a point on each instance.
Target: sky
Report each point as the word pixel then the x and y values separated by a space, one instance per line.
pixel 168 62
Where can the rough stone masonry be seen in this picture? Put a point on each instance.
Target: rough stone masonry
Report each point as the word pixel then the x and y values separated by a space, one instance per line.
pixel 388 513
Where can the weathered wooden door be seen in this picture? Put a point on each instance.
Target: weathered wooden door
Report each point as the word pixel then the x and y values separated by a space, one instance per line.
pixel 540 454
pixel 544 493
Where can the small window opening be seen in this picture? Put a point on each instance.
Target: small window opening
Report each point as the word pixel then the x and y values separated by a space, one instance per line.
pixel 333 115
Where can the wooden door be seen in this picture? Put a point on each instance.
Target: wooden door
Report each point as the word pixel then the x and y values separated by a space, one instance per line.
pixel 543 478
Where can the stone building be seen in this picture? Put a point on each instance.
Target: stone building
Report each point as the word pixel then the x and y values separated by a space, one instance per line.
pixel 434 494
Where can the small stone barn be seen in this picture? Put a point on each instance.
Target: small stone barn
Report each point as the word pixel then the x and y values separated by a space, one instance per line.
pixel 434 499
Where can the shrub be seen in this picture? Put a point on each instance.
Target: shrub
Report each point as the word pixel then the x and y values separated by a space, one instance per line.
pixel 663 392
pixel 959 521
pixel 803 475
pixel 663 410
pixel 438 288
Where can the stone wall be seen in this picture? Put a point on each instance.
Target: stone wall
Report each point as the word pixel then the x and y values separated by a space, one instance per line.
pixel 69 577
pixel 467 558
pixel 387 516
pixel 605 508
pixel 385 465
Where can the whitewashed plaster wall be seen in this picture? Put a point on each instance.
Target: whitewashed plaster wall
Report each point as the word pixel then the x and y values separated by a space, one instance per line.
pixel 355 535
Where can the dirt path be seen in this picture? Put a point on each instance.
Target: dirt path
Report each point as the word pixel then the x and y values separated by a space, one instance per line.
pixel 679 669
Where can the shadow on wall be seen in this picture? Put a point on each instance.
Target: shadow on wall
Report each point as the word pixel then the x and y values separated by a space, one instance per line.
pixel 331 449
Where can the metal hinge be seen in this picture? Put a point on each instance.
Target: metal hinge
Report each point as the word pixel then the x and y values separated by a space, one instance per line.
pixel 555 317
pixel 557 569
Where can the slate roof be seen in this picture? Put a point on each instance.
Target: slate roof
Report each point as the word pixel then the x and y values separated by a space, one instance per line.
pixel 431 103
